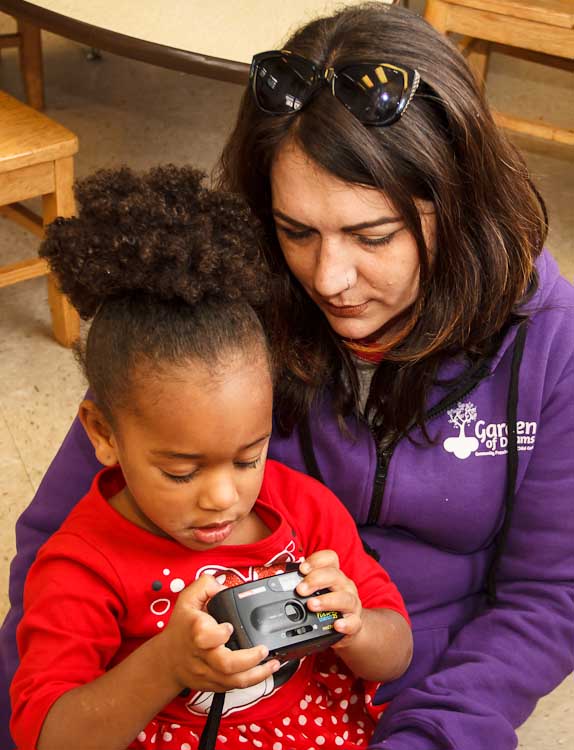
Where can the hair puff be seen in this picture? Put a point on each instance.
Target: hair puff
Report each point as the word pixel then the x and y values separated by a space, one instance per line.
pixel 161 232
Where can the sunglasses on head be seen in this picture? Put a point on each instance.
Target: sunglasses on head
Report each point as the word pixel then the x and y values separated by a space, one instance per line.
pixel 376 93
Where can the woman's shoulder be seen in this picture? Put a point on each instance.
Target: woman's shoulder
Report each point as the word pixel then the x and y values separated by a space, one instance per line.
pixel 555 294
pixel 551 314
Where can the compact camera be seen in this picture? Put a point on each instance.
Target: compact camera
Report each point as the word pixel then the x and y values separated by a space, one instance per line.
pixel 270 612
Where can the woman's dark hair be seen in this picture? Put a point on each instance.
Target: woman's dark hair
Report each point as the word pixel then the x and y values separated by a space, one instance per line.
pixel 169 270
pixel 490 220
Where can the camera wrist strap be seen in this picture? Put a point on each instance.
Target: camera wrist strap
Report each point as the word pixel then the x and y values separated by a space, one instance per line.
pixel 209 734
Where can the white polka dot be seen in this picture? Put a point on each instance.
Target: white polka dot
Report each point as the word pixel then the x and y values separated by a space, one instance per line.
pixel 153 739
pixel 303 705
pixel 277 746
pixel 242 739
pixel 222 738
pixel 254 728
pixel 360 731
pixel 333 668
pixel 323 674
pixel 175 726
pixel 286 721
pixel 278 732
pixel 319 721
pixel 186 746
pixel 308 698
pixel 345 719
pixel 338 691
pixel 361 723
pixel 334 719
pixel 353 699
pixel 160 606
pixel 339 741
pixel 346 735
pixel 160 623
pixel 319 699
pixel 257 743
pixel 320 740
pixel 342 676
pixel 344 704
pixel 242 728
pixel 368 699
pixel 302 720
pixel 177 585
pixel 166 571
pixel 167 736
pixel 142 736
pixel 194 735
pixel 290 737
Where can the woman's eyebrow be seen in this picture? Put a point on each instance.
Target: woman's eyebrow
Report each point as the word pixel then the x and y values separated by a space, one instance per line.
pixel 369 224
pixel 289 220
pixel 351 228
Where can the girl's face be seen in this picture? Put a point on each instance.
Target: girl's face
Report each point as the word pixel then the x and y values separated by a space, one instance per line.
pixel 345 243
pixel 192 449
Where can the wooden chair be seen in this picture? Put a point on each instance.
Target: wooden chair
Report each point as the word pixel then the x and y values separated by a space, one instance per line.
pixel 28 39
pixel 37 159
pixel 538 29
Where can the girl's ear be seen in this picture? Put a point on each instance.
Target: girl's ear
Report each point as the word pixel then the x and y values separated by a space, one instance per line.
pixel 100 433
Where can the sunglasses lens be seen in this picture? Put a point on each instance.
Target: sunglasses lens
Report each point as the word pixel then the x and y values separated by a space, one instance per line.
pixel 282 84
pixel 375 94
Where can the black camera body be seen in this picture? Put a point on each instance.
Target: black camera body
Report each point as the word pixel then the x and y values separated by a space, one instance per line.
pixel 270 612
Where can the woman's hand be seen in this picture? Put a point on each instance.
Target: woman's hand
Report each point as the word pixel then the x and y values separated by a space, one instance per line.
pixel 194 646
pixel 322 571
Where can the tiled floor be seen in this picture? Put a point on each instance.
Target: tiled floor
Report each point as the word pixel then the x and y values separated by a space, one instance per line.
pixel 128 112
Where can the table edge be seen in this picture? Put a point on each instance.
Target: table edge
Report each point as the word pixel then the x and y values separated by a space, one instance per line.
pixel 126 46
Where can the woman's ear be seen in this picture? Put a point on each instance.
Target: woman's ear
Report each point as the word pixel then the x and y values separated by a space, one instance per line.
pixel 99 431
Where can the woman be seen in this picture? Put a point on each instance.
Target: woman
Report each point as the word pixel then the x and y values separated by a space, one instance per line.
pixel 426 349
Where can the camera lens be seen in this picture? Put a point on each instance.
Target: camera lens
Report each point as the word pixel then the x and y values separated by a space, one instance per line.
pixel 294 611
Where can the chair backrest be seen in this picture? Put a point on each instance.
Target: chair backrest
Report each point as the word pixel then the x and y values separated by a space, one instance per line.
pixel 551 12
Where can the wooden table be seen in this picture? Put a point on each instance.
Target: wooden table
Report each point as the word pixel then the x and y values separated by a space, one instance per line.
pixel 213 38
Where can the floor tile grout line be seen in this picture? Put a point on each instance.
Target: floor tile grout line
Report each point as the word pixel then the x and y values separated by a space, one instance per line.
pixel 16 446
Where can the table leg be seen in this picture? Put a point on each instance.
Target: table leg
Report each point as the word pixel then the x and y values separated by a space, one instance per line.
pixel 31 63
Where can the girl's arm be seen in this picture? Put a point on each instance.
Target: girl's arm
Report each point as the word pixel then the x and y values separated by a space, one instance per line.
pixel 383 648
pixel 109 712
pixel 67 480
pixel 378 642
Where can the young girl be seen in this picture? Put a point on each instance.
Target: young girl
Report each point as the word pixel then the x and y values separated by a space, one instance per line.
pixel 116 646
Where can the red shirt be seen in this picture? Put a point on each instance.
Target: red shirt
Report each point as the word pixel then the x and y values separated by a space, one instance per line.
pixel 101 586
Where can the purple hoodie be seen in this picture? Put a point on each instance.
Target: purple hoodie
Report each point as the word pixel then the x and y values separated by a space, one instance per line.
pixel 432 513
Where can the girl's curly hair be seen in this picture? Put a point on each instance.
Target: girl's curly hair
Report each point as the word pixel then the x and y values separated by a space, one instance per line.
pixel 169 270
pixel 162 233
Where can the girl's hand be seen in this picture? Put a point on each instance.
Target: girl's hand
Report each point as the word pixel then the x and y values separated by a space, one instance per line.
pixel 321 571
pixel 193 645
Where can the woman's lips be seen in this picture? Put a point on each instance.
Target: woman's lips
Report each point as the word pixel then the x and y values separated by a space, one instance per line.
pixel 346 311
pixel 215 534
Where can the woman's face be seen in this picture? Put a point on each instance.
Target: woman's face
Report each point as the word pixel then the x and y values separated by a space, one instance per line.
pixel 345 243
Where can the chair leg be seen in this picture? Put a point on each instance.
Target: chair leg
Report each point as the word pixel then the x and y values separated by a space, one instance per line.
pixel 65 319
pixel 31 63
pixel 477 59
pixel 436 13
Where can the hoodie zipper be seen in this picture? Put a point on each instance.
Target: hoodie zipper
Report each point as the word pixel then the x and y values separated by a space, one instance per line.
pixel 384 455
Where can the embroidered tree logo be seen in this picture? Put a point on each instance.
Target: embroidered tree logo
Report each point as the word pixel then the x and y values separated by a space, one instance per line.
pixel 461 416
